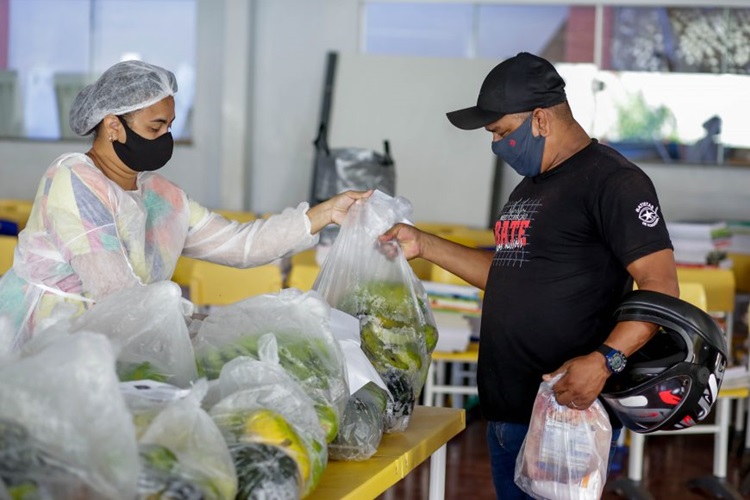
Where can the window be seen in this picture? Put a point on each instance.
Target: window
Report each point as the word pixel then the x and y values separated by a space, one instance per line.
pixel 558 32
pixel 55 47
pixel 686 40
pixel 669 81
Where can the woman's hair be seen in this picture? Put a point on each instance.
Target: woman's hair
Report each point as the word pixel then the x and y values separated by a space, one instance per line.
pixel 125 87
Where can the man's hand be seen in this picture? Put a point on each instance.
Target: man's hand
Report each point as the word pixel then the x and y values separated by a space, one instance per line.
pixel 582 381
pixel 408 237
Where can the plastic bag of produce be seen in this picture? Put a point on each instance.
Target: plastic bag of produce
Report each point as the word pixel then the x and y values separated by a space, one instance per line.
pixel 146 399
pixel 65 431
pixel 359 369
pixel 267 419
pixel 565 453
pixel 362 426
pixel 147 326
pixel 397 329
pixel 305 346
pixel 183 453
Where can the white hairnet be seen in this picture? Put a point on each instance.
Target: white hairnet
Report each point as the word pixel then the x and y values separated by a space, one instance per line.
pixel 127 86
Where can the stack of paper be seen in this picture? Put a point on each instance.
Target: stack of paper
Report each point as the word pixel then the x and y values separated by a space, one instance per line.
pixel 740 237
pixel 456 309
pixel 700 243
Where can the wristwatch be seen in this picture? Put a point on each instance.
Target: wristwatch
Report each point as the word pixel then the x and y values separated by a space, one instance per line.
pixel 616 360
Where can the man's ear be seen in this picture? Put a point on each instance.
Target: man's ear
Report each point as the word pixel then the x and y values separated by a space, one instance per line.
pixel 540 120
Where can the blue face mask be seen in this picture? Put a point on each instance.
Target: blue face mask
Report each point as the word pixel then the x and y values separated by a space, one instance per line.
pixel 521 150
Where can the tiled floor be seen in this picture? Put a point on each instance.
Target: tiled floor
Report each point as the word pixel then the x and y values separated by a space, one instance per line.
pixel 670 462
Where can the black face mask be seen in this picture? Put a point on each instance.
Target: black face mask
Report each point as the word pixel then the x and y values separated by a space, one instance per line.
pixel 143 155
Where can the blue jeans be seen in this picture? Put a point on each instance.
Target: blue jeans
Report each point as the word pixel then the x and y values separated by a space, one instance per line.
pixel 505 440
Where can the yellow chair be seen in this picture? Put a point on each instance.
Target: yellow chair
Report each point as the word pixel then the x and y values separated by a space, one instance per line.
pixel 16 211
pixel 480 238
pixel 182 271
pixel 238 215
pixel 7 248
pixel 422 268
pixel 439 227
pixel 184 266
pixel 695 293
pixel 303 270
pixel 440 275
pixel 216 285
pixel 741 270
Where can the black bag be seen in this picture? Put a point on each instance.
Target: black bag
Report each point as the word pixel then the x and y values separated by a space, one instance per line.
pixel 341 169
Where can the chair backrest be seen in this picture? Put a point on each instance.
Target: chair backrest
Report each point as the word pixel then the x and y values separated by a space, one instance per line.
pixel 440 275
pixel 238 215
pixel 183 271
pixel 16 212
pixel 303 270
pixel 694 293
pixel 7 247
pixel 217 285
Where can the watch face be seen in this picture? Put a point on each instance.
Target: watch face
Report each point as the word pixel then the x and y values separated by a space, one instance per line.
pixel 616 361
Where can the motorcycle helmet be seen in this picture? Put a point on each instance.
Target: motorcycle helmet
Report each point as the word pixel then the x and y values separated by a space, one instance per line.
pixel 672 382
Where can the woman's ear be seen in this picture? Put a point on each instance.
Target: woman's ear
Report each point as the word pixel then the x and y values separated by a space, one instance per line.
pixel 113 129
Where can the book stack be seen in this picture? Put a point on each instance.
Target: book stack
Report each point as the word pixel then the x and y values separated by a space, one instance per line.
pixel 740 237
pixel 699 243
pixel 457 310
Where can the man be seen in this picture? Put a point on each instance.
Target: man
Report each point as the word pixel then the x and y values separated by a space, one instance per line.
pixel 576 231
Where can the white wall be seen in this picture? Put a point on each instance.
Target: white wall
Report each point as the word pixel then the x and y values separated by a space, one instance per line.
pixel 291 44
pixel 268 165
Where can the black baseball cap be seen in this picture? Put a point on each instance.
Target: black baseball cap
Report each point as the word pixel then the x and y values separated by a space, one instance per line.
pixel 522 83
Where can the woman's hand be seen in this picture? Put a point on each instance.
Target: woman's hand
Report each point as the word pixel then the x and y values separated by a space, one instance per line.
pixel 334 209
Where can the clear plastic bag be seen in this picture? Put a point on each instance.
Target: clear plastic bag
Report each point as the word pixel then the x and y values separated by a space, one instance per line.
pixel 65 431
pixel 184 453
pixel 363 424
pixel 267 419
pixel 397 329
pixel 304 345
pixel 565 453
pixel 147 325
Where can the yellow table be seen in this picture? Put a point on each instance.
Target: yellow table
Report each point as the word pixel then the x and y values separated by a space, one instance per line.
pixel 398 454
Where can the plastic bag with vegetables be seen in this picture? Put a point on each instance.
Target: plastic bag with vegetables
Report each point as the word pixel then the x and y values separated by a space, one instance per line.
pixel 148 328
pixel 363 424
pixel 564 455
pixel 271 427
pixel 146 399
pixel 183 453
pixel 306 348
pixel 397 328
pixel 65 431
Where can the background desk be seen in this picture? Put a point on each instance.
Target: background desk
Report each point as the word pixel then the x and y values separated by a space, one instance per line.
pixel 435 387
pixel 398 454
pixel 715 485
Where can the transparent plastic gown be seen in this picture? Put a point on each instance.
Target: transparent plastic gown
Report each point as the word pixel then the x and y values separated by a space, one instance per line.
pixel 86 237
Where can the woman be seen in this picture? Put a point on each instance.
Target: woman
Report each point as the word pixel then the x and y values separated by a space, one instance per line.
pixel 103 221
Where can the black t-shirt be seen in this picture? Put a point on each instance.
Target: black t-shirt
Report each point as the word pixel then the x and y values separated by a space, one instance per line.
pixel 563 242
